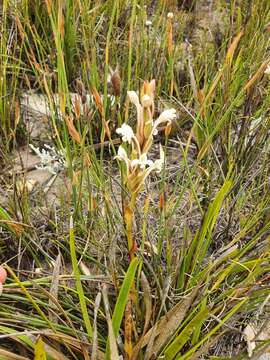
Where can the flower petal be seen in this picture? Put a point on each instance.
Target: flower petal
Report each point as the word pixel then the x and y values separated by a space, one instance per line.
pixel 122 155
pixel 126 132
pixel 133 97
pixel 158 164
pixel 167 115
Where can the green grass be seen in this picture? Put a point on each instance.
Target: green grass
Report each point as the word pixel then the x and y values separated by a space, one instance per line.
pixel 202 226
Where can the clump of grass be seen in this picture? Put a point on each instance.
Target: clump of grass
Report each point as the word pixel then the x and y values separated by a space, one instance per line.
pixel 151 265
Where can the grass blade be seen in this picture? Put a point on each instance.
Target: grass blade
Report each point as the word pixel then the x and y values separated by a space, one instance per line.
pixel 78 280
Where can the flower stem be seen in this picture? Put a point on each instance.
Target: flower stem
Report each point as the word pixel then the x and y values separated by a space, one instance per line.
pixel 129 215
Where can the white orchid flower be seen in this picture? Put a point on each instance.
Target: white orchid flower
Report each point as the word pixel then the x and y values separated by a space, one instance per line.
pixel 158 164
pixel 153 166
pixel 122 155
pixel 126 132
pixel 134 98
pixel 167 116
pixel 142 162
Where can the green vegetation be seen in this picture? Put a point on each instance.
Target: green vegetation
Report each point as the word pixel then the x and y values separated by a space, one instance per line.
pixel 163 265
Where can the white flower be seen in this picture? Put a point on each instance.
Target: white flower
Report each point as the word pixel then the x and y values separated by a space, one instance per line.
pixel 170 15
pixel 122 155
pixel 130 164
pixel 146 101
pixel 148 23
pixel 158 164
pixel 143 162
pixel 267 70
pixel 167 116
pixel 133 97
pixel 126 132
pixel 155 166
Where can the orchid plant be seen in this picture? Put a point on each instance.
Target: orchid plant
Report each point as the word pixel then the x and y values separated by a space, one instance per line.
pixel 135 154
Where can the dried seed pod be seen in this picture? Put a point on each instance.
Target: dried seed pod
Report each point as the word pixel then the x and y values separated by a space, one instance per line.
pixel 77 107
pixel 81 89
pixel 115 79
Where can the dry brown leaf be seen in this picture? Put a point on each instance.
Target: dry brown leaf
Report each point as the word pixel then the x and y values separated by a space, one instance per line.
pixel 170 322
pixel 99 102
pixel 84 269
pixel 26 185
pixel 52 352
pixel 7 355
pixel 211 90
pixel 128 329
pixel 150 249
pixel 54 288
pixel 232 47
pixel 72 130
pixel 95 334
pixel 250 336
pixel 62 103
pixel 77 107
pixel 112 340
pixel 256 76
pixel 16 226
pixel 150 344
pixel 74 343
pixel 61 21
pixel 17 113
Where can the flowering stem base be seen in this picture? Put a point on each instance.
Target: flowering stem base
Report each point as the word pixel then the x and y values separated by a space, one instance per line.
pixel 129 216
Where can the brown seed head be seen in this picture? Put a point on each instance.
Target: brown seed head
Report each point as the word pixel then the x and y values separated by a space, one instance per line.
pixel 115 80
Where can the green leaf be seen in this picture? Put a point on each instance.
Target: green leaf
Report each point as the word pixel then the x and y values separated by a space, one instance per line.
pixel 185 335
pixel 78 281
pixel 202 240
pixel 210 333
pixel 6 220
pixel 122 300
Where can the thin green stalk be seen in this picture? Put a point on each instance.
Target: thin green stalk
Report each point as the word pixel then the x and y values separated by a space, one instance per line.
pixel 79 287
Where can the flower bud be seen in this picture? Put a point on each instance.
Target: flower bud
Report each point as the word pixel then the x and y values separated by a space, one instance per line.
pixel 168 129
pixel 146 101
